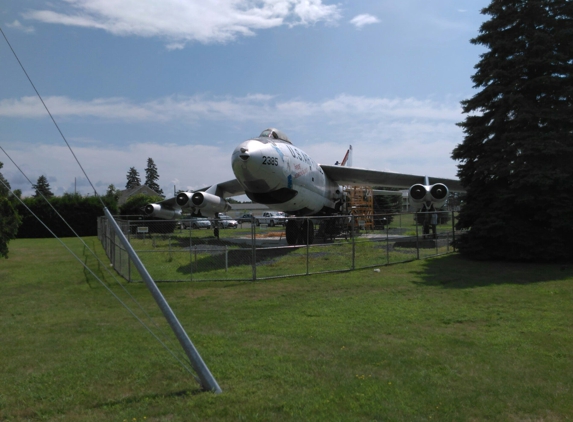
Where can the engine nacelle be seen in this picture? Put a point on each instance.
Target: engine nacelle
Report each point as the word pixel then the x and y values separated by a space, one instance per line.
pixel 183 199
pixel 203 201
pixel 421 195
pixel 156 210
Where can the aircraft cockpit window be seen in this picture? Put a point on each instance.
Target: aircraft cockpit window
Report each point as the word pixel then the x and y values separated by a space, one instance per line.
pixel 275 134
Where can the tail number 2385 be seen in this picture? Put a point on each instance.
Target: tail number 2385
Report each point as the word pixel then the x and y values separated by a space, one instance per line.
pixel 270 161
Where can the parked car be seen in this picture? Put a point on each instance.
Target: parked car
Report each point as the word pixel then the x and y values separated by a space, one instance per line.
pixel 272 218
pixel 196 223
pixel 225 222
pixel 245 218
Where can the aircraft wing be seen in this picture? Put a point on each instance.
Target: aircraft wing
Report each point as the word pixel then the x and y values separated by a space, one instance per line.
pixel 225 189
pixel 362 177
pixel 211 200
pixel 169 204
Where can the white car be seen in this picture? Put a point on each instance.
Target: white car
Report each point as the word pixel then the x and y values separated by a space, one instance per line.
pixel 272 218
pixel 225 222
pixel 196 223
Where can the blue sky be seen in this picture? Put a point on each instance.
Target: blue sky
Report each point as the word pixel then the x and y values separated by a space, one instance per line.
pixel 185 81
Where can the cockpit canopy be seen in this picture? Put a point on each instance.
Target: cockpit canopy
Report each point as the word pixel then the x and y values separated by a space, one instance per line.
pixel 275 134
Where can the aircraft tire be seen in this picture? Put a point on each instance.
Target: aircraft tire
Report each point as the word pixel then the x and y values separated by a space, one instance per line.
pixel 292 232
pixel 307 233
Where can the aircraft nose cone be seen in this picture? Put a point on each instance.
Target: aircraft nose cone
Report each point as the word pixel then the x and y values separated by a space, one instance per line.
pixel 248 165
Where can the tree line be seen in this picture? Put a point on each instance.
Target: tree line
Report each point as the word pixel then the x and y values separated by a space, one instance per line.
pixel 18 215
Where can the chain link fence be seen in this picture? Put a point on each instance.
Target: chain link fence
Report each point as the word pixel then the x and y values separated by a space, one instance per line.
pixel 178 250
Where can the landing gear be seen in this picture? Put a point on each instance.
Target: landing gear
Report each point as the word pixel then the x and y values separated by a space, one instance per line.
pixel 307 233
pixel 299 232
pixel 292 230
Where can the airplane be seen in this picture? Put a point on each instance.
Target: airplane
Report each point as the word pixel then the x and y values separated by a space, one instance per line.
pixel 270 170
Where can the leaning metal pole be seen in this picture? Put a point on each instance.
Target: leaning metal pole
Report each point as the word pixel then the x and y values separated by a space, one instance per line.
pixel 208 382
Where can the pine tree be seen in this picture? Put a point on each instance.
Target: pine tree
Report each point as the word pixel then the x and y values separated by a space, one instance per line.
pixel 151 177
pixel 133 179
pixel 42 188
pixel 9 218
pixel 112 193
pixel 516 160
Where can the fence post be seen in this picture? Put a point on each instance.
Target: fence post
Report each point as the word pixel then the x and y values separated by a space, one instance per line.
pixel 453 232
pixel 307 222
pixel 353 242
pixel 417 238
pixel 254 247
pixel 447 242
pixel 387 244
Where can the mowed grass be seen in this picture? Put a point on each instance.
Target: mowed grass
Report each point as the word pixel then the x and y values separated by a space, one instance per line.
pixel 442 339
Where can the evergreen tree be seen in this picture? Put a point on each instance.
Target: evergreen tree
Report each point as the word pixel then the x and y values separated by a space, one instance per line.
pixel 9 218
pixel 42 188
pixel 133 179
pixel 151 177
pixel 112 192
pixel 516 160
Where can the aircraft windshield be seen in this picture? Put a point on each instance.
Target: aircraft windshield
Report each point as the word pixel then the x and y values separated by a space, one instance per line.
pixel 274 134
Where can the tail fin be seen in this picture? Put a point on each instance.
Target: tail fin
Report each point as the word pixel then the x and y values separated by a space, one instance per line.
pixel 347 161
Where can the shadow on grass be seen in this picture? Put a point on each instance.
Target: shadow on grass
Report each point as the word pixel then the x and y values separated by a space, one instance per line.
pixel 148 397
pixel 458 272
pixel 235 258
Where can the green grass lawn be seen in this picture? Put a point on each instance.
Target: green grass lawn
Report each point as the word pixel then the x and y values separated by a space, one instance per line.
pixel 440 339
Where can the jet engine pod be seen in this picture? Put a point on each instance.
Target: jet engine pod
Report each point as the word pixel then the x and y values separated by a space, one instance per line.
pixel 439 192
pixel 434 195
pixel 418 192
pixel 156 210
pixel 209 202
pixel 182 199
pixel 198 198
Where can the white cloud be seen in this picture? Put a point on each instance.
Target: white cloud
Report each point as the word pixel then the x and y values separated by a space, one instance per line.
pixel 248 108
pixel 365 19
pixel 177 21
pixel 406 135
pixel 18 25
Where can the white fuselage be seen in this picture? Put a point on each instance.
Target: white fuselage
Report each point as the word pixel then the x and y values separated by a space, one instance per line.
pixel 276 173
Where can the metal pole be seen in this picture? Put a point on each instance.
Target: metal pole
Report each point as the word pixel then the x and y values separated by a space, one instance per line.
pixel 307 222
pixel 208 382
pixel 190 253
pixel 417 241
pixel 447 242
pixel 387 244
pixel 353 243
pixel 453 231
pixel 254 247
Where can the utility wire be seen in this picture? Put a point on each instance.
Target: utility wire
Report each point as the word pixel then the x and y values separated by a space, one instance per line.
pixel 99 279
pixel 51 117
pixel 185 365
pixel 113 276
